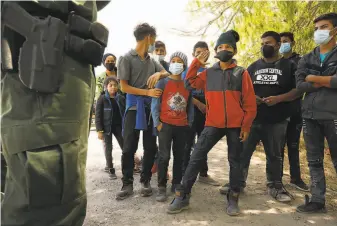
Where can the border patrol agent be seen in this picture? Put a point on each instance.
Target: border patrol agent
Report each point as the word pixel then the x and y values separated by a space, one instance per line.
pixel 48 50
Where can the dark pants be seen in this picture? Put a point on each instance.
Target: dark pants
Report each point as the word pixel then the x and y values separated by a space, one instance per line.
pixel 208 138
pixel 116 130
pixel 293 143
pixel 131 139
pixel 272 137
pixel 196 129
pixel 314 132
pixel 171 136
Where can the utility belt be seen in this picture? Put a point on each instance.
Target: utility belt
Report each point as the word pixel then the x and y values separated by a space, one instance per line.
pixel 41 55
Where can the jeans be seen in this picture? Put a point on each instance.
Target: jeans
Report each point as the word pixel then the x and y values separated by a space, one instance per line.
pixel 196 129
pixel 171 136
pixel 208 138
pixel 314 132
pixel 116 130
pixel 272 137
pixel 131 139
pixel 293 143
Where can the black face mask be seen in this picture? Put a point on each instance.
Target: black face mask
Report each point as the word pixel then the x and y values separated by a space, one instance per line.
pixel 110 66
pixel 224 55
pixel 267 51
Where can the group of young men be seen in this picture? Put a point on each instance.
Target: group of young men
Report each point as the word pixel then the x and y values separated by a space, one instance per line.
pixel 266 102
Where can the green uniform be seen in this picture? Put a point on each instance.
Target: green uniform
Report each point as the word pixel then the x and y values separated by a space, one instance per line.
pixel 45 138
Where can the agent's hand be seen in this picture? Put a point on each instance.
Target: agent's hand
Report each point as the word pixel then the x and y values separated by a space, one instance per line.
pixel 203 57
pixel 244 136
pixel 272 100
pixel 100 135
pixel 159 127
pixel 152 81
pixel 156 93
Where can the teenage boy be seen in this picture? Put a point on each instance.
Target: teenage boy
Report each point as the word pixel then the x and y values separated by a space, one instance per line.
pixel 198 125
pixel 294 127
pixel 109 111
pixel 317 76
pixel 138 74
pixel 231 109
pixel 159 54
pixel 274 84
pixel 172 114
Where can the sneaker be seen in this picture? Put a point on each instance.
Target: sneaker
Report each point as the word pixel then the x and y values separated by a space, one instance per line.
pixel 112 174
pixel 208 180
pixel 127 190
pixel 161 196
pixel 225 189
pixel 300 185
pixel 280 194
pixel 179 203
pixel 232 205
pixel 311 207
pixel 146 189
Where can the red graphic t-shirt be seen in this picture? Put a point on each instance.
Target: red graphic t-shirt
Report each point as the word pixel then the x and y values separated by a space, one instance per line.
pixel 174 103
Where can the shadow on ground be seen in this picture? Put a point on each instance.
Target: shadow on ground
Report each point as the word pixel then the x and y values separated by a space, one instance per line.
pixel 207 205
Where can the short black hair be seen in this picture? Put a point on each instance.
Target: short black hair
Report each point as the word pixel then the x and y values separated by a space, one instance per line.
pixel 288 34
pixel 108 80
pixel 332 17
pixel 143 30
pixel 273 34
pixel 159 44
pixel 200 44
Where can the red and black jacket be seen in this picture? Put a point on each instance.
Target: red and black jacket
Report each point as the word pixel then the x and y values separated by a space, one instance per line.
pixel 230 96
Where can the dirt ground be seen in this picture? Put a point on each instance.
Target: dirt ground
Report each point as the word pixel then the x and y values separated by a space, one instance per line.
pixel 207 205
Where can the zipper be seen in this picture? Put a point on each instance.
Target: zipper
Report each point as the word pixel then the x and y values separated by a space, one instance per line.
pixel 224 97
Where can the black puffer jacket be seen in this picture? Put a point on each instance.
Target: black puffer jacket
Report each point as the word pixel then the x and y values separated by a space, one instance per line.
pixel 104 112
pixel 318 103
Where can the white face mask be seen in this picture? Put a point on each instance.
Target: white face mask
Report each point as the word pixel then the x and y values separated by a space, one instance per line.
pixel 322 37
pixel 158 58
pixel 176 68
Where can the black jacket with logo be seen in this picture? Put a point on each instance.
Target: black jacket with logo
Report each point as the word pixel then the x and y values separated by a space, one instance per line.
pixel 318 103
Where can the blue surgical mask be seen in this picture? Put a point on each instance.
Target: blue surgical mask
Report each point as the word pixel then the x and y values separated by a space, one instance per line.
pixel 176 68
pixel 285 48
pixel 322 37
pixel 151 48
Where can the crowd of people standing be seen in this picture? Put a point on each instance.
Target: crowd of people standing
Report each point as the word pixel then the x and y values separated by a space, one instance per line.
pixel 268 102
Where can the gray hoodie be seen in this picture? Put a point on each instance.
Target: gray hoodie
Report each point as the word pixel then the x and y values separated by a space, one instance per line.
pixel 318 103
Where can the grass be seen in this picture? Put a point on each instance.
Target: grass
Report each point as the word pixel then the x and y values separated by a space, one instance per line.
pixel 330 173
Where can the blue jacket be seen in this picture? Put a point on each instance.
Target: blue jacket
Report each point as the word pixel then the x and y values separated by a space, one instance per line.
pixel 141 102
